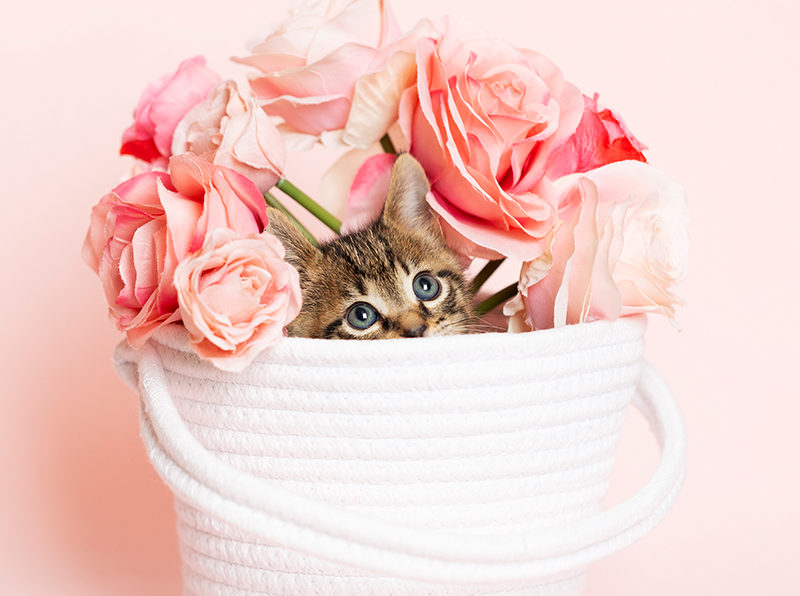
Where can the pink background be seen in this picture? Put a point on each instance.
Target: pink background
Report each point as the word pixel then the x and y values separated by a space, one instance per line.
pixel 711 86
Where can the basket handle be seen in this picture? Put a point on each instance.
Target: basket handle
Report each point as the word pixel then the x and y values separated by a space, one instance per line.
pixel 263 508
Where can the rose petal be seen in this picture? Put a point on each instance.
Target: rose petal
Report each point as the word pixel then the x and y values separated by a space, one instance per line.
pixel 368 192
pixel 376 98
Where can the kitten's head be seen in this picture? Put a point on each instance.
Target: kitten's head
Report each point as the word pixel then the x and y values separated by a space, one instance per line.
pixel 395 278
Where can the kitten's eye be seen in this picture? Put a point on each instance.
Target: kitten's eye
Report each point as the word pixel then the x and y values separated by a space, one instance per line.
pixel 426 286
pixel 361 316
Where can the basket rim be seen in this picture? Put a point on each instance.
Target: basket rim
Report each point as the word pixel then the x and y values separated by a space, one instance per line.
pixel 545 342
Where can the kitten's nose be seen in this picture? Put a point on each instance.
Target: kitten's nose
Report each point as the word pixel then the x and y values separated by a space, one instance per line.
pixel 411 324
pixel 416 331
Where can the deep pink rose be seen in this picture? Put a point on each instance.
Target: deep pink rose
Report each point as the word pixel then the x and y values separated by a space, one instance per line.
pixel 621 243
pixel 236 296
pixel 330 56
pixel 483 120
pixel 601 138
pixel 142 229
pixel 230 129
pixel 162 105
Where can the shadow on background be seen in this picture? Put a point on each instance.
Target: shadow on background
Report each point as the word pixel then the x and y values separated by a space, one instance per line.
pixel 99 505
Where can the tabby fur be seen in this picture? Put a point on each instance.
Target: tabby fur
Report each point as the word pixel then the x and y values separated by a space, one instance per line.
pixel 377 265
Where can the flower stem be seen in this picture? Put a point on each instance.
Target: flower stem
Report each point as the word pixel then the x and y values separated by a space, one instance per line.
pixel 310 205
pixel 386 143
pixel 485 274
pixel 497 299
pixel 275 203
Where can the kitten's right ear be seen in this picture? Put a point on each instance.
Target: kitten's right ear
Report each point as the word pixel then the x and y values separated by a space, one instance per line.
pixel 299 251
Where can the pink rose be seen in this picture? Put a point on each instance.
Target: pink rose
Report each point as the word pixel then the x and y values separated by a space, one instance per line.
pixel 230 129
pixel 162 105
pixel 367 192
pixel 621 243
pixel 601 138
pixel 483 120
pixel 142 229
pixel 236 296
pixel 335 68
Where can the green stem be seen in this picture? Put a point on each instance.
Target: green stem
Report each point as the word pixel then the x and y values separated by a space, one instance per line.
pixel 497 299
pixel 310 205
pixel 386 143
pixel 485 274
pixel 273 202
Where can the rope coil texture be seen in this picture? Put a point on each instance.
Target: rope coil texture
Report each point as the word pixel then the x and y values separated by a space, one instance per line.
pixel 456 465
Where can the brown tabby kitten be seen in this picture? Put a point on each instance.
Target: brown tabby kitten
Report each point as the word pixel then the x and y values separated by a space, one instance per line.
pixel 395 278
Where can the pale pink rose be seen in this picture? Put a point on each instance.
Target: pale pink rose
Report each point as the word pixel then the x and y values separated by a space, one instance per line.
pixel 367 192
pixel 230 129
pixel 620 245
pixel 337 180
pixel 142 229
pixel 601 138
pixel 162 105
pixel 236 296
pixel 335 66
pixel 483 120
pixel 140 167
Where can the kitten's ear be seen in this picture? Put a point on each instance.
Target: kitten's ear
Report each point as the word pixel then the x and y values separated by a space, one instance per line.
pixel 406 204
pixel 299 251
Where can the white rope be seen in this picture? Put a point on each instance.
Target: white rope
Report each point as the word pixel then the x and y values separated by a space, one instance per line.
pixel 495 485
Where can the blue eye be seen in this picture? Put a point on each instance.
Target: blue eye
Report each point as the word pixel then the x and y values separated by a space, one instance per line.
pixel 361 315
pixel 426 286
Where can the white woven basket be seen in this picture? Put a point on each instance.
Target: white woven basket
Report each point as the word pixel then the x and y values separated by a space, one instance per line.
pixel 457 465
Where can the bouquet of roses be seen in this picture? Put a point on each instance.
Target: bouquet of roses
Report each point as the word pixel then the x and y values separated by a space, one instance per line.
pixel 522 165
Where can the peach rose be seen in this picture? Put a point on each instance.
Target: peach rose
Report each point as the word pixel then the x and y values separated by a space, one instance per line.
pixel 230 129
pixel 142 229
pixel 236 295
pixel 162 105
pixel 336 69
pixel 621 243
pixel 483 120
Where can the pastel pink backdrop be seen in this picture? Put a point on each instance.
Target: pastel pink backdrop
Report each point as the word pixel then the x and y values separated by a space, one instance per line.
pixel 711 86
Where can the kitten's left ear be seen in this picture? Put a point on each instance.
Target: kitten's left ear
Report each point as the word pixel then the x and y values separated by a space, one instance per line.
pixel 299 251
pixel 406 203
